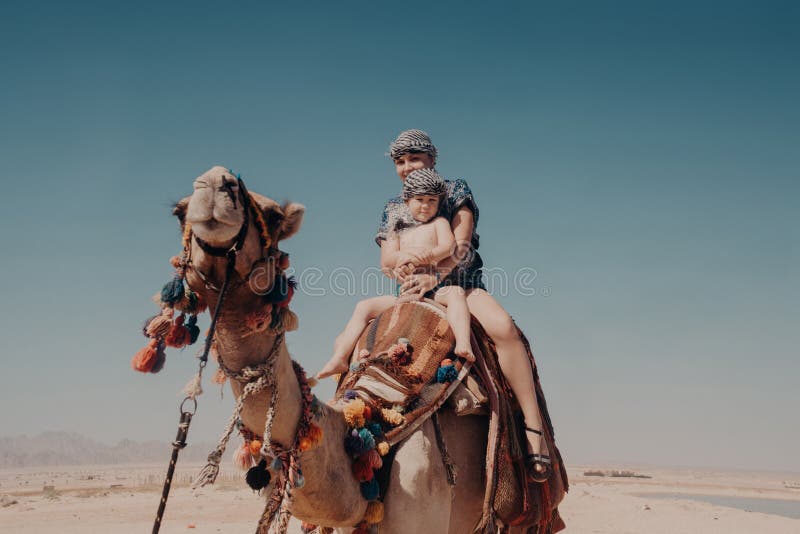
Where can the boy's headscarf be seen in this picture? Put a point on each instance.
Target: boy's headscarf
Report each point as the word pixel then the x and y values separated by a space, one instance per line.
pixel 423 182
pixel 412 141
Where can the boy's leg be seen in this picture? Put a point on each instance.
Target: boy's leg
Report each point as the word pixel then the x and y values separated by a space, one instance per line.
pixel 455 299
pixel 365 311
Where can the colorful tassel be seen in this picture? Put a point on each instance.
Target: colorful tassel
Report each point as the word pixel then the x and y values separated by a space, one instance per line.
pixel 370 490
pixel 255 447
pixel 375 428
pixel 276 465
pixel 160 325
pixel 242 457
pixel 392 416
pixel 447 373
pixel 383 448
pixel 373 459
pixel 362 469
pixel 367 438
pixel 178 335
pixel 144 360
pixel 172 291
pixel 374 513
pixel 258 477
pixel 194 330
pixel 354 413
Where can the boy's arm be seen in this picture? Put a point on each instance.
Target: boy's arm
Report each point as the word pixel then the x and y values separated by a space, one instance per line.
pixel 445 241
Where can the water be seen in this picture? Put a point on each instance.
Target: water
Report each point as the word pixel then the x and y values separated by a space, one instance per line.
pixel 782 507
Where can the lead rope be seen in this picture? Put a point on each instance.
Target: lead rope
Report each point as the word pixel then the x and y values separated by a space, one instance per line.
pixel 186 415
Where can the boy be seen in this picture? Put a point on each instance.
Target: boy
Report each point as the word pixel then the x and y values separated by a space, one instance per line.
pixel 424 236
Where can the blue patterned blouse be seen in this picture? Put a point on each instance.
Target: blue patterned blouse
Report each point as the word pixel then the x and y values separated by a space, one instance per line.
pixel 396 216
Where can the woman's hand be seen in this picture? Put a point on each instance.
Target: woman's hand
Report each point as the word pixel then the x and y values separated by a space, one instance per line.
pixel 416 285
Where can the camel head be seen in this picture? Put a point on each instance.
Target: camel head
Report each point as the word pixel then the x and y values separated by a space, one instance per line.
pixel 221 214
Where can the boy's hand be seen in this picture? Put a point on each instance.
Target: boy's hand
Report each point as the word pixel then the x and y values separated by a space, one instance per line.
pixel 416 260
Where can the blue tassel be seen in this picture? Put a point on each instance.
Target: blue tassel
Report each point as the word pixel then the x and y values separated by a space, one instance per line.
pixel 375 429
pixel 172 291
pixel 367 439
pixel 448 373
pixel 276 464
pixel 299 480
pixel 370 490
pixel 353 444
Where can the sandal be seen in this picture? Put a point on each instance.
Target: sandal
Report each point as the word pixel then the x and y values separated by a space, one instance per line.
pixel 538 465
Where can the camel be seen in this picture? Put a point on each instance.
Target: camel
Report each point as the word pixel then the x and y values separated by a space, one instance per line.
pixel 419 498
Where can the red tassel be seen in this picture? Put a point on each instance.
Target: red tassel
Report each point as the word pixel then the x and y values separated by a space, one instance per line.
pixel 362 469
pixel 144 360
pixel 178 335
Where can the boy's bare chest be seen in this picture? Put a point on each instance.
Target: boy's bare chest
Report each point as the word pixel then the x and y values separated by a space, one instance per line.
pixel 420 236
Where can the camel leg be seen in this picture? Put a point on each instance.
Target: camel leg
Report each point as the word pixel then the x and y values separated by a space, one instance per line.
pixel 419 498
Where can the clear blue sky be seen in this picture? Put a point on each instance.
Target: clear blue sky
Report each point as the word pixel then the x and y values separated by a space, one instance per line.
pixel 642 157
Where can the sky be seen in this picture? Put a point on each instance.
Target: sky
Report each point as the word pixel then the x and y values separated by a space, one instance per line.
pixel 637 162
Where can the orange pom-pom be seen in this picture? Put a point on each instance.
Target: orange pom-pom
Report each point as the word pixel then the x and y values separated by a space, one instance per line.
pixel 305 443
pixel 255 447
pixel 367 412
pixel 175 261
pixel 144 360
pixel 446 362
pixel 383 448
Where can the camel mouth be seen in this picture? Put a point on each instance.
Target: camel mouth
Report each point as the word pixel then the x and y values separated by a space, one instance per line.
pixel 215 232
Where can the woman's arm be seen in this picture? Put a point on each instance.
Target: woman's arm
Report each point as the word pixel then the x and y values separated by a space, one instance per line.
pixel 390 247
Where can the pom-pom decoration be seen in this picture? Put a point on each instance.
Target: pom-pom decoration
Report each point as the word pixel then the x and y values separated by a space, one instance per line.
pixel 178 335
pixel 367 438
pixel 447 373
pixel 354 413
pixel 362 469
pixel 255 447
pixel 258 477
pixel 242 457
pixel 144 360
pixel 374 513
pixel 383 448
pixel 370 490
pixel 172 291
pixel 392 416
pixel 160 325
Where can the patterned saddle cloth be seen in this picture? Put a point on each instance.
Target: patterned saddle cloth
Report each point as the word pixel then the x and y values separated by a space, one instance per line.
pixel 403 365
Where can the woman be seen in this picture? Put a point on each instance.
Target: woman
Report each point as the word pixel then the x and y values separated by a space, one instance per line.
pixel 412 150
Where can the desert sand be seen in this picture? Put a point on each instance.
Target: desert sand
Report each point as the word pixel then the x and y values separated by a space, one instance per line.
pixel 123 499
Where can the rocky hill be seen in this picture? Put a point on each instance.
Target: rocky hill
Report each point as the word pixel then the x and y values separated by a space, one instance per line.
pixel 69 448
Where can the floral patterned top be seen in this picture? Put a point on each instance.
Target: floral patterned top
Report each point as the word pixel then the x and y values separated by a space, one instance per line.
pixel 396 217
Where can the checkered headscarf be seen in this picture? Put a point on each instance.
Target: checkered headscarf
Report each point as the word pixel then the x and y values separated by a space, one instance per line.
pixel 423 182
pixel 412 141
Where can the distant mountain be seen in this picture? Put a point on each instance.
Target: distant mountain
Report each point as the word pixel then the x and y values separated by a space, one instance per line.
pixel 69 448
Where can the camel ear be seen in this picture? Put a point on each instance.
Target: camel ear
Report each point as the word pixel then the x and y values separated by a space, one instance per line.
pixel 179 210
pixel 293 219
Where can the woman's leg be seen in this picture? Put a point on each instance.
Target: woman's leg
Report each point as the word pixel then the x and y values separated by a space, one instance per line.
pixel 365 311
pixel 514 362
pixel 455 298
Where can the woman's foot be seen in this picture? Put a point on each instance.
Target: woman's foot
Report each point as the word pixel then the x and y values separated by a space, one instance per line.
pixel 335 366
pixel 537 462
pixel 464 352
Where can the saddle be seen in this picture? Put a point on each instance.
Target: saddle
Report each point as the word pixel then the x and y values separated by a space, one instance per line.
pixel 403 364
